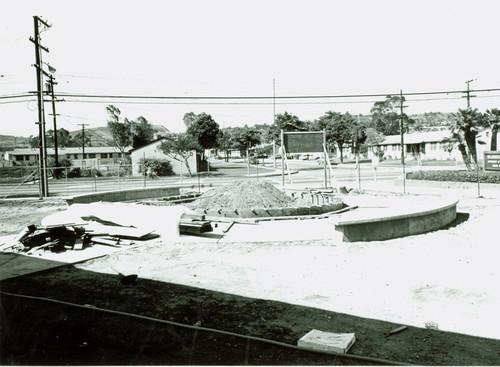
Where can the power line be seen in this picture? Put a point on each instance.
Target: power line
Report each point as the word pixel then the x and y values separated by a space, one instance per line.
pixel 99 96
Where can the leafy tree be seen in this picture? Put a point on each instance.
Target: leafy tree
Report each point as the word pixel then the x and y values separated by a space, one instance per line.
pixel 34 142
pixel 285 122
pixel 142 132
pixel 120 131
pixel 225 142
pixel 244 138
pixel 337 128
pixel 203 128
pixel 357 132
pixel 386 116
pixel 493 119
pixel 63 138
pixel 180 147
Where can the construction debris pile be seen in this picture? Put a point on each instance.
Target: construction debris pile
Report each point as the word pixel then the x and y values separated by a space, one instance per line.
pixel 109 224
pixel 59 238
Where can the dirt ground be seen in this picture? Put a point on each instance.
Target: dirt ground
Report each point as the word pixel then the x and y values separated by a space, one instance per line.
pixel 173 285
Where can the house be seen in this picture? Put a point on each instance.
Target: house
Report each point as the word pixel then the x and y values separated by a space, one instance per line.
pixel 427 145
pixel 94 156
pixel 152 150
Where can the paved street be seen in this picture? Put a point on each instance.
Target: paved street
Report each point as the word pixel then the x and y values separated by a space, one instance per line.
pixel 304 173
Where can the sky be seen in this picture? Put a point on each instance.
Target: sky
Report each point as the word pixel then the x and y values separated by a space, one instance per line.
pixel 237 48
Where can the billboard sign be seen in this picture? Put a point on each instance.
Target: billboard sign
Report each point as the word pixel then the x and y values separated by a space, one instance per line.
pixel 303 141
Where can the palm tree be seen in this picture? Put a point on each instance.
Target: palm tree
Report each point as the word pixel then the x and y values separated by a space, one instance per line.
pixel 464 132
pixel 456 139
pixel 493 117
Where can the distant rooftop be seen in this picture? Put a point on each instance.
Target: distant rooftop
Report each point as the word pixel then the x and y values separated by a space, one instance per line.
pixel 67 150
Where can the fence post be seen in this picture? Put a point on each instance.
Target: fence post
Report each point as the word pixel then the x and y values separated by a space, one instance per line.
pixel 66 172
pixel 144 168
pixel 95 177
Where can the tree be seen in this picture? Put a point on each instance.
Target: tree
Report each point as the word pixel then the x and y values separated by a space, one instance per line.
pixel 285 122
pixel 142 132
pixel 180 147
pixel 203 128
pixel 464 132
pixel 493 118
pixel 337 129
pixel 357 132
pixel 244 138
pixel 386 116
pixel 63 138
pixel 120 131
pixel 225 142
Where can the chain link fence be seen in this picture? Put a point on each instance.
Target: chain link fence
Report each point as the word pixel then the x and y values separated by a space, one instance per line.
pixel 24 181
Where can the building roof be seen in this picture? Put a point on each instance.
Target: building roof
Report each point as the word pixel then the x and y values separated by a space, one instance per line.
pixel 67 150
pixel 416 138
pixel 148 144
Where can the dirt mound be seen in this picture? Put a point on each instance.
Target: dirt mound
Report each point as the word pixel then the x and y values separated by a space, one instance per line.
pixel 246 195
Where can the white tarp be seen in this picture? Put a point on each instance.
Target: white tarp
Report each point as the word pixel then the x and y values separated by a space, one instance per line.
pixel 162 220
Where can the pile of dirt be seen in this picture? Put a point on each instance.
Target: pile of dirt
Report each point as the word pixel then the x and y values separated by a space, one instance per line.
pixel 246 195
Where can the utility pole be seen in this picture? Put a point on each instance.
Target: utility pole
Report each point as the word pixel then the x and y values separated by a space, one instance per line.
pixel 402 139
pixel 274 121
pixel 50 85
pixel 468 96
pixel 83 139
pixel 44 187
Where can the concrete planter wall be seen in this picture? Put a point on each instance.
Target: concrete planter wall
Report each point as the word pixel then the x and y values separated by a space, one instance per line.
pixel 270 212
pixel 124 195
pixel 385 227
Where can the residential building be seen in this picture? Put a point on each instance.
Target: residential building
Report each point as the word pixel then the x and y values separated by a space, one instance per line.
pixel 427 145
pixel 94 156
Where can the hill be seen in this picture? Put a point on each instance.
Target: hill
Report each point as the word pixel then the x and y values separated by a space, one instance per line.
pixel 8 142
pixel 101 136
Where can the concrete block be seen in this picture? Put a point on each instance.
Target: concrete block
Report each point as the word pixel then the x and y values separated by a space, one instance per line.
pixel 327 341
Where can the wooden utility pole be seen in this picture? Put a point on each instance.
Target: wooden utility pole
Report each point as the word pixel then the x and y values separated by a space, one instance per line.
pixel 51 84
pixel 83 139
pixel 44 187
pixel 402 139
pixel 468 96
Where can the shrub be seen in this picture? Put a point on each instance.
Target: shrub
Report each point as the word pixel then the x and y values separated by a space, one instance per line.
pixel 158 167
pixel 455 176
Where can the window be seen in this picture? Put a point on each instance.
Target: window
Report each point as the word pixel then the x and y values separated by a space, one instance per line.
pixel 75 156
pixel 19 157
pixel 104 155
pixel 434 146
pixel 26 157
pixel 92 155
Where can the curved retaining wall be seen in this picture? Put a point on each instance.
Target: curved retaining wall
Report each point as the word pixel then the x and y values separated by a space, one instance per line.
pixel 124 195
pixel 384 227
pixel 270 212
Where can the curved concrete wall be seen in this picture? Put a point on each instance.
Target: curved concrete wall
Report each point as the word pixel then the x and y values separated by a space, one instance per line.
pixel 124 195
pixel 384 227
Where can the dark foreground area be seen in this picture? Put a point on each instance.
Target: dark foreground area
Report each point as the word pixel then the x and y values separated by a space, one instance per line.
pixel 40 332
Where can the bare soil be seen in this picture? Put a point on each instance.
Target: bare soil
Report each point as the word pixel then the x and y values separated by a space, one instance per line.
pixel 38 332
pixel 246 195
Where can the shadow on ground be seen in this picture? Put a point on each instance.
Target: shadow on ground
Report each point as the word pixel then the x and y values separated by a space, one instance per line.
pixel 46 333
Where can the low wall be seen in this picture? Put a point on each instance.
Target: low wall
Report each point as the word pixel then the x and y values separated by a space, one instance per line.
pixel 380 227
pixel 124 195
